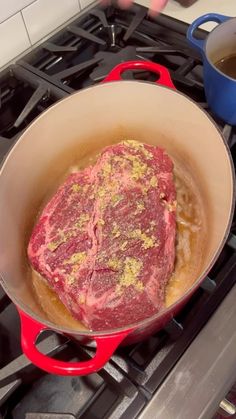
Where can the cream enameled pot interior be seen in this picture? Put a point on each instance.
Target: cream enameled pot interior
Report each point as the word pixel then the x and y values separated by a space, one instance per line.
pixel 80 124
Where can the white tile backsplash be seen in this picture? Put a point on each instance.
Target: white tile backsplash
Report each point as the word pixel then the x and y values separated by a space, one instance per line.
pixel 43 16
pixel 13 38
pixel 25 22
pixel 11 7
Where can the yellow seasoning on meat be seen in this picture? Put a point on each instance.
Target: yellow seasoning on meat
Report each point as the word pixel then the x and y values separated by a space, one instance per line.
pixel 153 181
pixel 124 245
pixel 52 246
pixel 140 206
pixel 101 192
pixel 75 187
pixel 114 263
pixel 147 241
pixel 82 220
pixel 139 169
pixel 107 169
pixel 138 146
pixel 76 258
pixel 131 271
pixel 63 237
pixel 70 280
pixel 115 230
pixel 81 299
pixel 115 199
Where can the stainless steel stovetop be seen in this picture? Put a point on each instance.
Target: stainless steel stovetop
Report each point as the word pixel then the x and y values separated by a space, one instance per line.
pixel 184 371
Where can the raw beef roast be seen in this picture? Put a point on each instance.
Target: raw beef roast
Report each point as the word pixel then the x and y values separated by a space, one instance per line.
pixel 106 241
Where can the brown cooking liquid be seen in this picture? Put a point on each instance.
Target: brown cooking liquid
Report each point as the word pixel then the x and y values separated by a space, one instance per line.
pixel 227 65
pixel 189 250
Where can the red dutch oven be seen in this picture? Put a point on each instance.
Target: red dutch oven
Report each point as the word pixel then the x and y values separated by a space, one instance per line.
pixel 76 127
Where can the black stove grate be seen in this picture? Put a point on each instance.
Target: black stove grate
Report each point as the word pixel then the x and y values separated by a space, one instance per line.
pixel 128 381
pixel 84 52
pixel 78 56
pixel 23 97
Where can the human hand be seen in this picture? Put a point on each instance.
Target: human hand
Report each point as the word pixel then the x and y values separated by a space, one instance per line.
pixel 156 6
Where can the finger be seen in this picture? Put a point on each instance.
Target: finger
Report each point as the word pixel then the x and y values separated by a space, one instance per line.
pixel 105 3
pixel 125 4
pixel 157 6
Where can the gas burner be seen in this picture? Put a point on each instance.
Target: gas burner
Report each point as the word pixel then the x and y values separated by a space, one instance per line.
pixel 23 97
pixel 84 52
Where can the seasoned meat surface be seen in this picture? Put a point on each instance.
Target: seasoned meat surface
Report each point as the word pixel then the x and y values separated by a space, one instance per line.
pixel 106 240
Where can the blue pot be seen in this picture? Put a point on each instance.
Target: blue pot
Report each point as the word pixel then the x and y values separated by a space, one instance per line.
pixel 220 89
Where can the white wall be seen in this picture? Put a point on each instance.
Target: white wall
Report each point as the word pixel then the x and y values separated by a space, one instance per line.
pixel 25 22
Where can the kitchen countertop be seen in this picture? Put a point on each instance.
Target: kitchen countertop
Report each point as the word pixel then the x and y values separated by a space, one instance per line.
pixel 188 14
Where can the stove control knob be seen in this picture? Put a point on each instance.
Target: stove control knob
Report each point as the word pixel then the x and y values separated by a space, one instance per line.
pixel 226 409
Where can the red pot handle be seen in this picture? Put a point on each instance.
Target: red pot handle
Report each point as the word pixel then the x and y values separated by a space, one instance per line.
pixel 106 345
pixel 163 74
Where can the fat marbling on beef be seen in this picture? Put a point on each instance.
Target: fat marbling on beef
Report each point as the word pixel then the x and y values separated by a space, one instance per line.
pixel 105 242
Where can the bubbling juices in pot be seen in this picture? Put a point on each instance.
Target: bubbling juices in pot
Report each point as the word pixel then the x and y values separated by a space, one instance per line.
pixel 190 237
pixel 189 249
pixel 52 306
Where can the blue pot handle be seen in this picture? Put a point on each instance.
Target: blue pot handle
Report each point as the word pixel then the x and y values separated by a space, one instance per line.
pixel 209 17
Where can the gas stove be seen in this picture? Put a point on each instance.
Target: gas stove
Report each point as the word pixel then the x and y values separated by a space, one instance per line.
pixel 185 370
